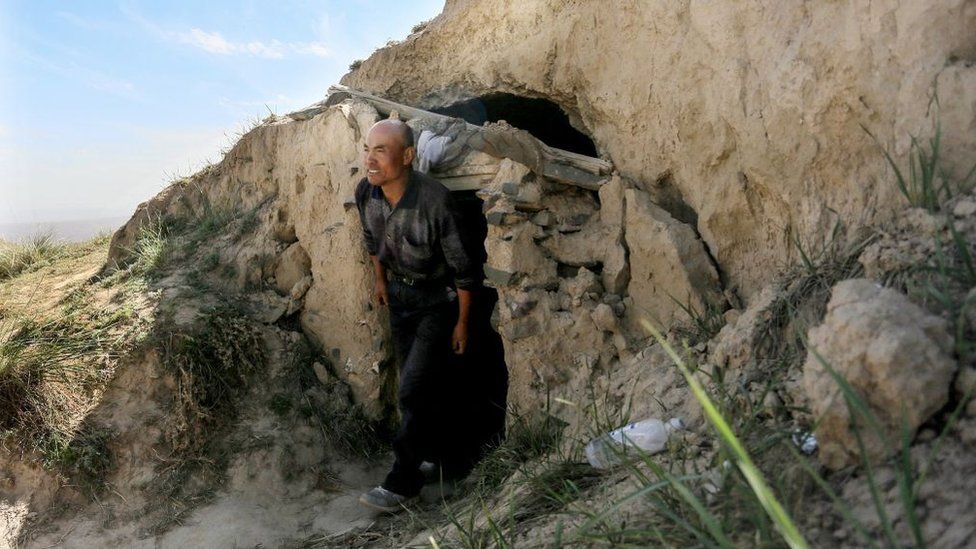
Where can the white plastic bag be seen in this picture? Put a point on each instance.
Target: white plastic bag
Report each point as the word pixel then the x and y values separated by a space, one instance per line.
pixel 650 436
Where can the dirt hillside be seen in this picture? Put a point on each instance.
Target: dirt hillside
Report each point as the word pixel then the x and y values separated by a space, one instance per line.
pixel 774 243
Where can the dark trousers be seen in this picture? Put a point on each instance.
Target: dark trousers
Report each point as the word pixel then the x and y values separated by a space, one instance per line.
pixel 452 408
pixel 421 322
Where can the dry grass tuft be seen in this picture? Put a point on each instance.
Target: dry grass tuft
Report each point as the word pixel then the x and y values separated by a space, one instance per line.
pixel 33 252
pixel 52 372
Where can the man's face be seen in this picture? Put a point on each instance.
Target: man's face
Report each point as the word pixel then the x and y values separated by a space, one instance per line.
pixel 384 156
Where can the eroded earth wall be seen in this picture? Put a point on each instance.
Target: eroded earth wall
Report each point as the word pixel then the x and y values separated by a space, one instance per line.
pixel 747 116
pixel 750 113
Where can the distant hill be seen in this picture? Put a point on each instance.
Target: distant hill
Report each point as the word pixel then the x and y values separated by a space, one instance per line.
pixel 69 231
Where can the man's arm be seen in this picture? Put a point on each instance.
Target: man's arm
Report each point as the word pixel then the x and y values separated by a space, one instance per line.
pixel 459 340
pixel 379 288
pixel 459 260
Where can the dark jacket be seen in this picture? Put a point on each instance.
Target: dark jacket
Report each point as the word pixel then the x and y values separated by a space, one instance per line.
pixel 419 238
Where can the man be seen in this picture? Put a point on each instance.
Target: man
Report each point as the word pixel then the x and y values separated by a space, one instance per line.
pixel 425 276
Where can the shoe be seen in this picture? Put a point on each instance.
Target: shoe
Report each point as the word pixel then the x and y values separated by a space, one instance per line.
pixel 381 499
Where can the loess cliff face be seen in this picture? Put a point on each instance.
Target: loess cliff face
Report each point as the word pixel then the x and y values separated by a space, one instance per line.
pixel 751 114
pixel 735 133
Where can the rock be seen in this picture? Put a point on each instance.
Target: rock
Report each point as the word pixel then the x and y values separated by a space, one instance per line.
pixel 267 307
pixel 616 267
pixel 522 305
pixel 667 262
pixel 612 202
pixel 965 384
pixel 585 282
pixel 502 218
pixel 731 316
pixel 282 226
pixel 528 197
pixel 604 317
pixel 321 373
pixel 967 431
pixel 522 328
pixel 293 265
pixel 510 176
pixel 300 288
pixel 516 252
pixel 964 208
pixel 736 342
pixel 772 403
pixel 894 354
pixel 497 278
pixel 586 247
pixel 543 218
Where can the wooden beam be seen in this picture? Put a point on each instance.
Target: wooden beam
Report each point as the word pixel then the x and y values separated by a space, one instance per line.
pixel 557 164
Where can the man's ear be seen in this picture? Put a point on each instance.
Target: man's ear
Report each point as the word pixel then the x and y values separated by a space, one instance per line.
pixel 408 155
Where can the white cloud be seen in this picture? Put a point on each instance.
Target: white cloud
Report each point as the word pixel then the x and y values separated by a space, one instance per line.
pixel 215 43
pixel 212 42
pixel 317 49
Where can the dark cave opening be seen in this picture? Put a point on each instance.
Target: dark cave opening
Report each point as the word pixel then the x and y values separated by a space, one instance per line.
pixel 542 118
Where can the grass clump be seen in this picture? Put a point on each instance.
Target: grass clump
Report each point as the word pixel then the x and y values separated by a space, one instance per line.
pixel 212 364
pixel 806 290
pixel 527 439
pixel 33 252
pixel 764 495
pixel 331 407
pixel 702 325
pixel 925 183
pixel 151 249
pixel 52 371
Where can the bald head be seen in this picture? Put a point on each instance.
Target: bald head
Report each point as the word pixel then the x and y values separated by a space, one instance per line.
pixel 388 153
pixel 396 128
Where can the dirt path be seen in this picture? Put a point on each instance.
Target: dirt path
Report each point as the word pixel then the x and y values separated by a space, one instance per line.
pixel 250 512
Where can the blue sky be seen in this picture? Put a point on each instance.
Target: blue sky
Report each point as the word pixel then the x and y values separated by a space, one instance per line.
pixel 102 103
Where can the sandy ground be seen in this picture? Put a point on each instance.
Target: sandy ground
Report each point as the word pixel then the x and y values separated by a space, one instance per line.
pixel 245 515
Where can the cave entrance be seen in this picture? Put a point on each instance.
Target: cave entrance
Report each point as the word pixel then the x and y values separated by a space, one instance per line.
pixel 545 120
pixel 455 147
pixel 484 363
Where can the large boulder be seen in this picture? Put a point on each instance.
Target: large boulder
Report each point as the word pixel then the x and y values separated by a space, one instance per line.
pixel 669 267
pixel 893 353
pixel 293 266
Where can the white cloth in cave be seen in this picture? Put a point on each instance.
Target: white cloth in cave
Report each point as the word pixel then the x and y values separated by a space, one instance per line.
pixel 431 149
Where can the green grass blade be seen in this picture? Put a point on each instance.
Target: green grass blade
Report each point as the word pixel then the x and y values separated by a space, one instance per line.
pixel 842 507
pixel 906 486
pixel 856 404
pixel 899 177
pixel 784 524
pixel 963 248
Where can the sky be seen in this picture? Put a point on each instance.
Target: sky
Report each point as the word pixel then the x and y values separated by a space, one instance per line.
pixel 102 103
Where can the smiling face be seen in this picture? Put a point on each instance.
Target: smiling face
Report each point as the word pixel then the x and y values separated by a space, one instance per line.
pixel 386 158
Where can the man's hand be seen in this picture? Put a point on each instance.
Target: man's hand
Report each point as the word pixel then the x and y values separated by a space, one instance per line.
pixel 459 341
pixel 380 292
